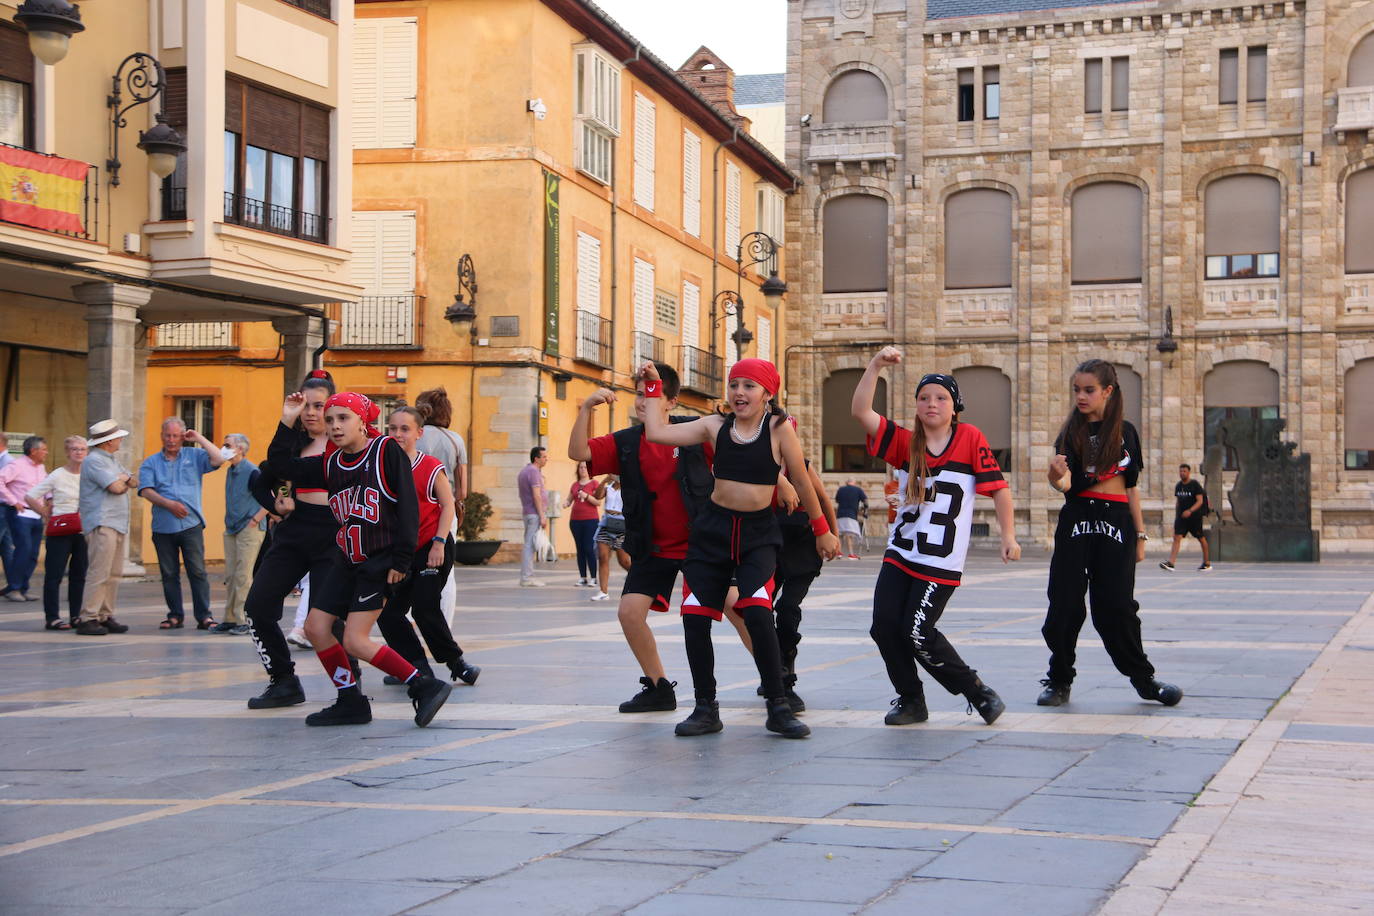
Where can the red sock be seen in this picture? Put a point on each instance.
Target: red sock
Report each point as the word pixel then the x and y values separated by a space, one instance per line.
pixel 392 663
pixel 335 661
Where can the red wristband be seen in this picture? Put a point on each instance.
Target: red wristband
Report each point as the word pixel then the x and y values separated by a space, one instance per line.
pixel 653 388
pixel 820 526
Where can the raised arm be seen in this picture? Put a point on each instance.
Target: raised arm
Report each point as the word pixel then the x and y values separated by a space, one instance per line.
pixel 281 451
pixel 656 425
pixel 578 449
pixel 862 404
pixel 827 545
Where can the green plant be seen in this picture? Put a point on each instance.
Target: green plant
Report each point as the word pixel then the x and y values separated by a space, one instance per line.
pixel 476 514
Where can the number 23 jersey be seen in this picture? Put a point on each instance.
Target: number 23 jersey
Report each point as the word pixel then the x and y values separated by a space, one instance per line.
pixel 930 541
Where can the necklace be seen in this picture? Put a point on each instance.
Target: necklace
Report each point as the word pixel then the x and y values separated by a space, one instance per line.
pixel 734 434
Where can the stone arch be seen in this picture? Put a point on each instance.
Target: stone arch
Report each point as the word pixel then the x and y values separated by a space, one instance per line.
pixel 1014 253
pixel 1207 360
pixel 827 66
pixel 889 107
pixel 1089 180
pixel 1351 353
pixel 1200 213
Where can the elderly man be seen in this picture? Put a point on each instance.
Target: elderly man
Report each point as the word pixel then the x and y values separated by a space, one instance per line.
pixel 104 509
pixel 245 525
pixel 26 526
pixel 171 481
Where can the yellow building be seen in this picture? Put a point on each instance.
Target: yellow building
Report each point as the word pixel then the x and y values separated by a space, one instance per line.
pixel 246 227
pixel 599 196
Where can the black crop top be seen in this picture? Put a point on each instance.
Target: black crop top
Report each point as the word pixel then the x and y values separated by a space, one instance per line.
pixel 752 463
pixel 1128 468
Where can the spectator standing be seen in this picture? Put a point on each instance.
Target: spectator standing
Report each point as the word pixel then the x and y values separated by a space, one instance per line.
pixel 583 522
pixel 531 485
pixel 171 480
pixel 245 525
pixel 104 508
pixel 6 545
pixel 437 440
pixel 848 499
pixel 57 498
pixel 26 527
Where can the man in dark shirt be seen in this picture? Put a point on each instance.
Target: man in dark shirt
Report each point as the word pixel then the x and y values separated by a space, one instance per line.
pixel 848 499
pixel 1188 517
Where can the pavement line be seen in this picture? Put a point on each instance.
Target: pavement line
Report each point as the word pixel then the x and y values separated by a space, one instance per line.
pixel 185 806
pixel 179 806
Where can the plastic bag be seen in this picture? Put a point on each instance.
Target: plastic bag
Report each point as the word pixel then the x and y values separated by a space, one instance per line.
pixel 543 548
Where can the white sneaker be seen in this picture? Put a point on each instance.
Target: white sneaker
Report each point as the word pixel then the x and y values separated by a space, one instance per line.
pixel 531 583
pixel 599 596
pixel 297 638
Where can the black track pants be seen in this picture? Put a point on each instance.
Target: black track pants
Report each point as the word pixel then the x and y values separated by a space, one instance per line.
pixel 905 612
pixel 418 594
pixel 1094 552
pixel 701 653
pixel 304 543
pixel 787 600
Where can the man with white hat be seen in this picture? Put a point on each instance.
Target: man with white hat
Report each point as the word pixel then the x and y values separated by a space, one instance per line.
pixel 104 509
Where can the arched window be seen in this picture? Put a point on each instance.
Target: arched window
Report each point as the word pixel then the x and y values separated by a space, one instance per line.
pixel 1129 380
pixel 1242 227
pixel 855 95
pixel 1359 416
pixel 1361 68
pixel 978 239
pixel 1107 218
pixel 854 245
pixel 1359 222
pixel 987 405
pixel 1239 388
pixel 841 435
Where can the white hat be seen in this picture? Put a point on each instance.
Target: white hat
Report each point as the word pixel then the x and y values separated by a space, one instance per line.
pixel 104 431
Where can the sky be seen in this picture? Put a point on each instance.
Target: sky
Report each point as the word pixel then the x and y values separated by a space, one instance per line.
pixel 749 35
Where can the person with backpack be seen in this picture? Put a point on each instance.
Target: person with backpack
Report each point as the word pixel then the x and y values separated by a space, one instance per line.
pixel 1190 510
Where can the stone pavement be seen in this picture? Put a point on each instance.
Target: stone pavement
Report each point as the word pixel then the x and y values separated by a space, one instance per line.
pixel 134 780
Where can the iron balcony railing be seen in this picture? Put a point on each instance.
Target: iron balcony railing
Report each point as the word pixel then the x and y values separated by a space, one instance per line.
pixel 386 322
pixel 173 202
pixel 593 338
pixel 257 214
pixel 647 347
pixel 318 7
pixel 702 371
pixel 90 201
pixel 196 335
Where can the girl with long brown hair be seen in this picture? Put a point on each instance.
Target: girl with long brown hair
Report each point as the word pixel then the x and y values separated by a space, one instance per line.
pixel 1099 539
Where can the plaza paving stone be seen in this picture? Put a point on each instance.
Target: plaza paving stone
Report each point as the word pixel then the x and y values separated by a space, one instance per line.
pixel 134 780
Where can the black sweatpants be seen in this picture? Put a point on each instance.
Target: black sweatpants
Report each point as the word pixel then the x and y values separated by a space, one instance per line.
pixel 798 567
pixel 303 543
pixel 418 595
pixel 905 612
pixel 1094 551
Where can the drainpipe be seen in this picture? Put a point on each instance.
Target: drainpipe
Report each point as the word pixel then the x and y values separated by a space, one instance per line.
pixel 317 355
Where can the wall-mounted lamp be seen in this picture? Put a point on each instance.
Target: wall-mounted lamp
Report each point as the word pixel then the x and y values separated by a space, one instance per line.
pixel 1166 343
pixel 51 25
pixel 464 311
pixel 145 81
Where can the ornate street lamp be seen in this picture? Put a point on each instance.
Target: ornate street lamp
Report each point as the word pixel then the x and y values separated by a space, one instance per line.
pixel 50 24
pixel 145 81
pixel 464 311
pixel 761 248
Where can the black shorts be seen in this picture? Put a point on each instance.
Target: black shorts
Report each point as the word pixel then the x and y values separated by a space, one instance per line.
pixel 1190 525
pixel 728 547
pixel 798 557
pixel 655 577
pixel 354 587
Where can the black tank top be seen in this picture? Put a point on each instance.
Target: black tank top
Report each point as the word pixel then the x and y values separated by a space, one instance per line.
pixel 752 463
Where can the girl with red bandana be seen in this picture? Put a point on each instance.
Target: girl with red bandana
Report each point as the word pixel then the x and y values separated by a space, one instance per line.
pixel 372 495
pixel 738 537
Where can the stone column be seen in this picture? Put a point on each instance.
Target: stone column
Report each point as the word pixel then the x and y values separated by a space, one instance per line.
pixel 301 337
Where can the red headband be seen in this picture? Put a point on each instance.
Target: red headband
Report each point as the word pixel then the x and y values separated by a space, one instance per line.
pixel 758 370
pixel 361 405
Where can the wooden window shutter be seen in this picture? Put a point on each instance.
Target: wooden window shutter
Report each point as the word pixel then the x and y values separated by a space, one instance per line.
pixel 1092 85
pixel 366 100
pixel 233 105
pixel 174 98
pixel 645 123
pixel 396 75
pixel 691 314
pixel 274 122
pixel 732 206
pixel 315 133
pixel 589 273
pixel 691 183
pixel 644 296
pixel 765 338
pixel 16 60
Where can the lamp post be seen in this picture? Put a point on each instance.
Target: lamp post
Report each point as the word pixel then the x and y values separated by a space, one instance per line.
pixel 761 248
pixel 50 24
pixel 729 304
pixel 464 311
pixel 145 81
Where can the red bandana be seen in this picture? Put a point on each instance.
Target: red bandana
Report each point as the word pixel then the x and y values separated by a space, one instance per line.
pixel 361 405
pixel 758 370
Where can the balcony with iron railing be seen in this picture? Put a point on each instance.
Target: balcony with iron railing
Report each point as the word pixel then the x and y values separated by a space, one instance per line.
pixel 647 347
pixel 318 7
pixel 173 202
pixel 701 371
pixel 196 335
pixel 60 209
pixel 257 214
pixel 384 322
pixel 593 339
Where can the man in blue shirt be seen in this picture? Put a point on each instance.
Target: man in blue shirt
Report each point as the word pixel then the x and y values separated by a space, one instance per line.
pixel 245 525
pixel 849 499
pixel 171 481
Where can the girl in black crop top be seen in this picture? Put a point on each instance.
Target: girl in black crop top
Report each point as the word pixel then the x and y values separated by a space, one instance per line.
pixel 1099 539
pixel 738 537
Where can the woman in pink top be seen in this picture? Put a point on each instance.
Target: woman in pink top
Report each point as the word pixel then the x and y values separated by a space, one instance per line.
pixel 26 527
pixel 583 522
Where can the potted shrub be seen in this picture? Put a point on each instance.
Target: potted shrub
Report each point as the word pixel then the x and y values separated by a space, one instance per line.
pixel 472 549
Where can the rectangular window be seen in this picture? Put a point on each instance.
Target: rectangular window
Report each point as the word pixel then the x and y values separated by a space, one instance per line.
pixel 598 112
pixel 645 122
pixel 383 264
pixel 1121 83
pixel 992 93
pixel 770 215
pixel 1241 266
pixel 691 313
pixel 1256 73
pixel 1228 76
pixel 16 88
pixel 1092 86
pixel 765 337
pixel 1359 459
pixel 732 208
pixel 644 296
pixel 276 151
pixel 966 94
pixel 385 82
pixel 588 273
pixel 691 183
pixel 198 414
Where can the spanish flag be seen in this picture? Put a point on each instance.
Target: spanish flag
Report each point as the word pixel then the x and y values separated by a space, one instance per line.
pixel 45 192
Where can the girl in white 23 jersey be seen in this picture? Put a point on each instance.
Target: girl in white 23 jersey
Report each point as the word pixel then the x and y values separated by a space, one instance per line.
pixel 942 466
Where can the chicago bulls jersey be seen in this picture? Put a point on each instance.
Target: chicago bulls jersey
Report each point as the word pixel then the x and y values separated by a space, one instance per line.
pixel 426 470
pixel 365 499
pixel 930 541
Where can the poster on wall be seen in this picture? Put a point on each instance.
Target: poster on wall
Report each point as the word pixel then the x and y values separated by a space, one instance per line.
pixel 551 263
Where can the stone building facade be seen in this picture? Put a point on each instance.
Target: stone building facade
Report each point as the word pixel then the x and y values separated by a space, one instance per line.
pixel 1180 188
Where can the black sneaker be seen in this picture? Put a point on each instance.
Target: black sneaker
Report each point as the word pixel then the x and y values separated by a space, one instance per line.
pixel 281 691
pixel 1168 694
pixel 797 703
pixel 704 720
pixel 462 671
pixel 114 626
pixel 222 627
pixel 427 694
pixel 1053 694
pixel 782 721
pixel 907 711
pixel 89 628
pixel 351 708
pixel 984 699
pixel 1166 566
pixel 1205 567
pixel 653 698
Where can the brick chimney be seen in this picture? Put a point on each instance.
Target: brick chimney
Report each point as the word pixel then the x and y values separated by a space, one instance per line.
pixel 710 76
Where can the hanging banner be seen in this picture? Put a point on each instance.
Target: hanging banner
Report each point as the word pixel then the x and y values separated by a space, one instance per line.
pixel 551 263
pixel 45 192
